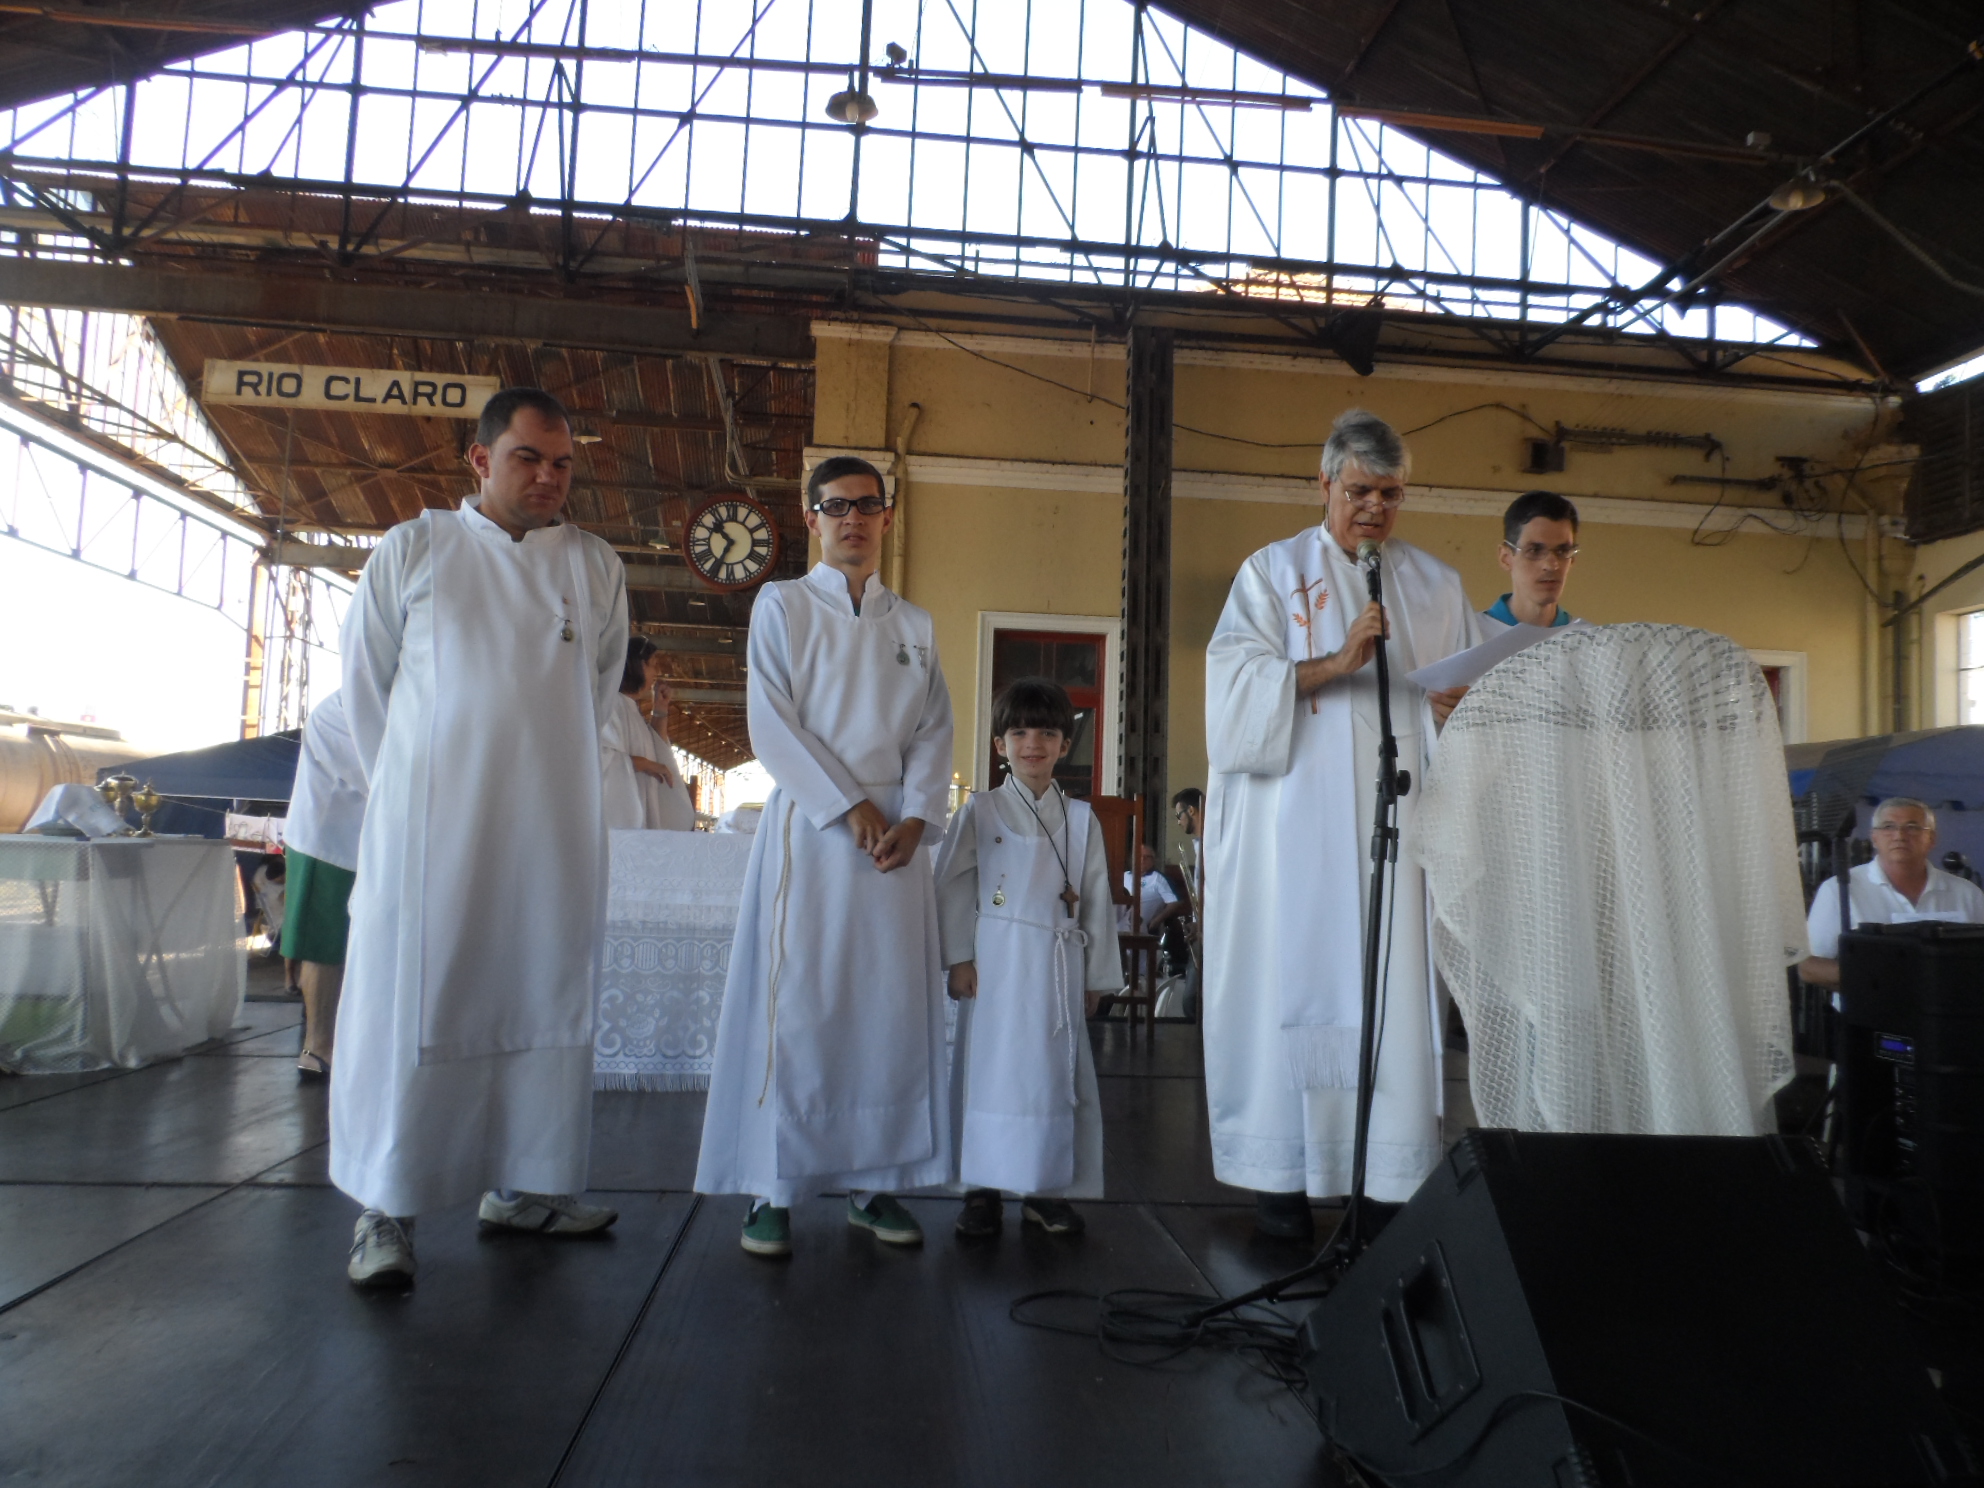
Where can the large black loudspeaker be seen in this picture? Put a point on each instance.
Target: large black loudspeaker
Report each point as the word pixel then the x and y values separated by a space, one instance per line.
pixel 1911 1091
pixel 1564 1311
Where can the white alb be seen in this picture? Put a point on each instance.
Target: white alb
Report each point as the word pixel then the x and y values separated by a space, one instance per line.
pixel 476 670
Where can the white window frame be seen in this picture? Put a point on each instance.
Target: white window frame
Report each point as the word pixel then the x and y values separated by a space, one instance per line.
pixel 1793 667
pixel 1109 627
pixel 1955 620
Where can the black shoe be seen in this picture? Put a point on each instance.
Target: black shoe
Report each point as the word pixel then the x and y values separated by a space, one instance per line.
pixel 1056 1216
pixel 983 1215
pixel 1284 1216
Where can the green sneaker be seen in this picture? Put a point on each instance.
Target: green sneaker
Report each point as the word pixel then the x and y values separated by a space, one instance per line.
pixel 891 1223
pixel 768 1231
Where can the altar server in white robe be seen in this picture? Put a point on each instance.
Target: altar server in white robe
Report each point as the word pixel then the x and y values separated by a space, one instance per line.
pixel 1292 738
pixel 829 1069
pixel 1030 943
pixel 320 840
pixel 644 787
pixel 480 652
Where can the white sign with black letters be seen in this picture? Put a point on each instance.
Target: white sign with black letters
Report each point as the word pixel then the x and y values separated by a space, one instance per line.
pixel 346 389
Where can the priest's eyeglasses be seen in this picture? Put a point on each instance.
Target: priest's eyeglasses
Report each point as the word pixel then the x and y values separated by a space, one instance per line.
pixel 1536 552
pixel 1375 498
pixel 840 506
pixel 1912 829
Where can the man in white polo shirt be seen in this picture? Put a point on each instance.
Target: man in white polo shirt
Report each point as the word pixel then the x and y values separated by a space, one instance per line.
pixel 1901 884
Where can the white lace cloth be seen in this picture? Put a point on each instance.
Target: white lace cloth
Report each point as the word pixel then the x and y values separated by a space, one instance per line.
pixel 116 952
pixel 1607 838
pixel 671 912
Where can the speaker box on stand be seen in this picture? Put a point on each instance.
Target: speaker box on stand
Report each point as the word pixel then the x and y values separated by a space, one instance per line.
pixel 1570 1311
pixel 1911 1094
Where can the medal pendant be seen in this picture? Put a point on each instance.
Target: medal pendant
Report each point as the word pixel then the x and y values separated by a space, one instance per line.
pixel 565 632
pixel 902 655
pixel 998 896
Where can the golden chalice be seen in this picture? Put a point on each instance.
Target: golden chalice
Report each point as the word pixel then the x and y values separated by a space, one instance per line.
pixel 147 801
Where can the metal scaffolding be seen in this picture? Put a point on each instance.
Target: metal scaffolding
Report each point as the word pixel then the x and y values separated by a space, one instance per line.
pixel 1079 142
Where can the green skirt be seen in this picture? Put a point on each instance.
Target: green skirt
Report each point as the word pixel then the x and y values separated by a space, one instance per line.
pixel 318 915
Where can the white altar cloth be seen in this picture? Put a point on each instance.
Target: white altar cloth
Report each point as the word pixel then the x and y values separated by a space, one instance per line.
pixel 671 911
pixel 116 952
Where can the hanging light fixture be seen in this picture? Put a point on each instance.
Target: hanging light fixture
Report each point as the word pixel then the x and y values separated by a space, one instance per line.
pixel 1797 194
pixel 853 104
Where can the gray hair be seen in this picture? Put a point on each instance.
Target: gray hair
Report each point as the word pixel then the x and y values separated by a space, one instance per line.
pixel 1907 803
pixel 1362 438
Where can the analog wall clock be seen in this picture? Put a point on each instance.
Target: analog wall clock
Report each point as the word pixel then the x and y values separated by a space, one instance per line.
pixel 732 542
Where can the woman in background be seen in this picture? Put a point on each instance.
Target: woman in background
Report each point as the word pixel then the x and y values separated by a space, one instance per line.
pixel 644 785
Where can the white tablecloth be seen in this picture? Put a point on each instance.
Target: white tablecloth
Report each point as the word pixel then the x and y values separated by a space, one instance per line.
pixel 116 952
pixel 671 909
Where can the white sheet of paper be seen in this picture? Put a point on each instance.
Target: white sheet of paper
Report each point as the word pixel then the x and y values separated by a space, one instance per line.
pixel 1465 668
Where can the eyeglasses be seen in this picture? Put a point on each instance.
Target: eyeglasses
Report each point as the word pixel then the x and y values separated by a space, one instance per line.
pixel 840 506
pixel 1537 552
pixel 1367 496
pixel 1910 827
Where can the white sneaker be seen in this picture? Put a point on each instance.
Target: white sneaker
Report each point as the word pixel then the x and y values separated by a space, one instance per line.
pixel 381 1251
pixel 544 1214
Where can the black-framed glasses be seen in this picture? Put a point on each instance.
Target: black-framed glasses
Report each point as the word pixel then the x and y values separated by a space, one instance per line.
pixel 840 506
pixel 1536 552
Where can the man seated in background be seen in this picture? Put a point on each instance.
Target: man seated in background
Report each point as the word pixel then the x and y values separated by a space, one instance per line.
pixel 1900 885
pixel 1539 545
pixel 1158 903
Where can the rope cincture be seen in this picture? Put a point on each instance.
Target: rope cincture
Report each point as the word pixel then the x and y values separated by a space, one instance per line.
pixel 779 900
pixel 1064 937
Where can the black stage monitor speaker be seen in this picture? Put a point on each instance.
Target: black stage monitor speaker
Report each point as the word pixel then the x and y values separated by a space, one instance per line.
pixel 1566 1311
pixel 1911 1090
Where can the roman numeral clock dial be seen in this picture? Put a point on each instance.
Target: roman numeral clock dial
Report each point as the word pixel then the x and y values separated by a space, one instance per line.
pixel 732 543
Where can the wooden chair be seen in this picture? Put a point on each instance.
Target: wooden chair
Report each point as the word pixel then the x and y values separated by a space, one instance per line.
pixel 1122 819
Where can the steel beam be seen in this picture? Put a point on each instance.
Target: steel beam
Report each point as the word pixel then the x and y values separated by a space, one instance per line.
pixel 703 645
pixel 209 293
pixel 1147 572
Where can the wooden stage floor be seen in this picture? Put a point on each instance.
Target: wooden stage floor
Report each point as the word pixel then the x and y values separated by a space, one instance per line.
pixel 174 1311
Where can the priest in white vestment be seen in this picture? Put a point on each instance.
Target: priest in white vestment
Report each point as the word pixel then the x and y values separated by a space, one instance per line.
pixel 1292 739
pixel 829 1069
pixel 481 651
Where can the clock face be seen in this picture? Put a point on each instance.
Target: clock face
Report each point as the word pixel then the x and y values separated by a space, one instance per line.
pixel 732 542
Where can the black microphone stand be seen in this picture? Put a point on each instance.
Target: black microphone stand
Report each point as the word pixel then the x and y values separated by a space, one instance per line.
pixel 1356 1230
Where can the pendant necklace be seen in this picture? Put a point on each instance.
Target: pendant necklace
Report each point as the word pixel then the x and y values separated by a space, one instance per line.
pixel 565 630
pixel 1068 895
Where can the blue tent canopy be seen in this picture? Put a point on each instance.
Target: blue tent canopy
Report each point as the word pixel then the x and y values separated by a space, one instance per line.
pixel 201 784
pixel 1944 767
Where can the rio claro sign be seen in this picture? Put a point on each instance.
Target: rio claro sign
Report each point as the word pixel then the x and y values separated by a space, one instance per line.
pixel 346 389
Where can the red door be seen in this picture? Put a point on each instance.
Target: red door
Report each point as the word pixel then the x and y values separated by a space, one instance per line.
pixel 1073 659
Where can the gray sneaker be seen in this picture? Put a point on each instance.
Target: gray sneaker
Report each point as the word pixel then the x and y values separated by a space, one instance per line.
pixel 544 1214
pixel 381 1252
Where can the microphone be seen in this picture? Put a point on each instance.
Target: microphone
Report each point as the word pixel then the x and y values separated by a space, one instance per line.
pixel 1369 552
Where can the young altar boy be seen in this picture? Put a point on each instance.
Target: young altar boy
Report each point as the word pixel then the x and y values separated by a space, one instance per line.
pixel 1030 939
pixel 829 1067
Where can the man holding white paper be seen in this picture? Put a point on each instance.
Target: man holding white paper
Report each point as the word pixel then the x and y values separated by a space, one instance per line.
pixel 1292 736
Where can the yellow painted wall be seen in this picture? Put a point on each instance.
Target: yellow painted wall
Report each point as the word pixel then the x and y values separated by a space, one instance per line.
pixel 978 548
